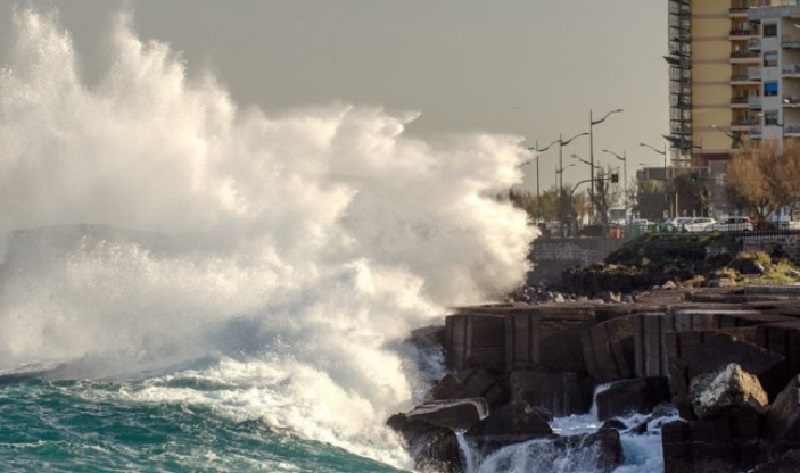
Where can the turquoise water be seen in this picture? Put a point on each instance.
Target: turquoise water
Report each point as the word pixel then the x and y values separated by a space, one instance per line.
pixel 82 426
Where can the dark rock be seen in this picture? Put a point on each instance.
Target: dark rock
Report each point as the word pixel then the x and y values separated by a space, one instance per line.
pixel 432 448
pixel 727 443
pixel 783 339
pixel 518 420
pixel 438 452
pixel 608 349
pixel 783 418
pixel 475 340
pixel 470 384
pixel 789 462
pixel 630 396
pixel 614 424
pixel 604 444
pixel 459 414
pixel 513 423
pixel 664 409
pixel 558 393
pixel 449 387
pixel 547 338
pixel 428 430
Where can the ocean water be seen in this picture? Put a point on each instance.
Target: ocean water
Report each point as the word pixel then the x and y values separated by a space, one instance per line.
pixel 201 286
pixel 190 284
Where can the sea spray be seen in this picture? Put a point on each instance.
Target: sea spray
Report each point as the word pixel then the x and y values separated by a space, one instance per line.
pixel 325 235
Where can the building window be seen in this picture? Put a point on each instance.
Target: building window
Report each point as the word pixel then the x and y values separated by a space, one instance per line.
pixel 770 89
pixel 771 117
pixel 770 58
pixel 770 30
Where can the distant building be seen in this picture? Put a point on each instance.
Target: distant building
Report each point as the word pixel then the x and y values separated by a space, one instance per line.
pixel 734 78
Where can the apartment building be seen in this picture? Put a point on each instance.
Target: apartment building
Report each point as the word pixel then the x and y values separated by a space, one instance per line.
pixel 734 78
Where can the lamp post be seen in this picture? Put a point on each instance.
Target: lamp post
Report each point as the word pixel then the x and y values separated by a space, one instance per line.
pixel 561 144
pixel 624 159
pixel 575 156
pixel 592 123
pixel 666 173
pixel 538 195
pixel 560 172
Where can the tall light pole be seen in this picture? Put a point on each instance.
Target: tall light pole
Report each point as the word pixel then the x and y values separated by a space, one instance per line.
pixel 561 144
pixel 592 123
pixel 666 173
pixel 624 159
pixel 575 156
pixel 560 172
pixel 538 195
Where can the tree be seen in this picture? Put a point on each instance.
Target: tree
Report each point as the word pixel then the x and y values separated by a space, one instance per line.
pixel 692 194
pixel 580 205
pixel 544 208
pixel 649 199
pixel 751 181
pixel 605 195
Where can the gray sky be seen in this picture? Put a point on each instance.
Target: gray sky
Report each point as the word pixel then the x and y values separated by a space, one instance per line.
pixel 533 68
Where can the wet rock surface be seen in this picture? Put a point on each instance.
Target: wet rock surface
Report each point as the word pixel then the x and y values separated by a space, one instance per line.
pixel 725 360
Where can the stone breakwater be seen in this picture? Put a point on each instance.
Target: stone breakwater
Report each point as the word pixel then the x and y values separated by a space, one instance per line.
pixel 727 361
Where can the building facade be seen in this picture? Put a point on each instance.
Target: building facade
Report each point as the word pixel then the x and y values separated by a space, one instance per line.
pixel 734 79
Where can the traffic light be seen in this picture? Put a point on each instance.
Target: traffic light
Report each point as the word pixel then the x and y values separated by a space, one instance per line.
pixel 614 177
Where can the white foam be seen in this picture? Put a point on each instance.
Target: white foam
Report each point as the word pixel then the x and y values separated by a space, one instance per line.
pixel 338 236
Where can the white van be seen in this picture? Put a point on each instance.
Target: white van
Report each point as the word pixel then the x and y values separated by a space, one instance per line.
pixel 734 224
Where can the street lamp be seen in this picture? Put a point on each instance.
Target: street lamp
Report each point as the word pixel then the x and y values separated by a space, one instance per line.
pixel 666 174
pixel 560 172
pixel 575 156
pixel 561 144
pixel 538 195
pixel 624 159
pixel 592 123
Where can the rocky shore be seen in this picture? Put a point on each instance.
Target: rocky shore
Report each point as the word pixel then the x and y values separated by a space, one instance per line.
pixel 718 368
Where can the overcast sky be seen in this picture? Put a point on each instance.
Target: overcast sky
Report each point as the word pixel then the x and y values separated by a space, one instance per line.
pixel 533 68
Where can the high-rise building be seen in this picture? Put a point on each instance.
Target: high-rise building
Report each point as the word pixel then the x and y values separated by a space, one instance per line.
pixel 734 79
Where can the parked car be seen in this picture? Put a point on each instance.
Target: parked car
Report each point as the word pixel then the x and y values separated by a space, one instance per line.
pixel 694 224
pixel 676 224
pixel 734 224
pixel 699 224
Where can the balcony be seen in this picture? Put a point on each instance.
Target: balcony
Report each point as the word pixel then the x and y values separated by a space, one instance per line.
pixel 754 102
pixel 745 121
pixel 791 102
pixel 745 57
pixel 737 12
pixel 790 41
pixel 739 102
pixel 754 132
pixel 745 124
pixel 791 70
pixel 791 129
pixel 754 44
pixel 738 33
